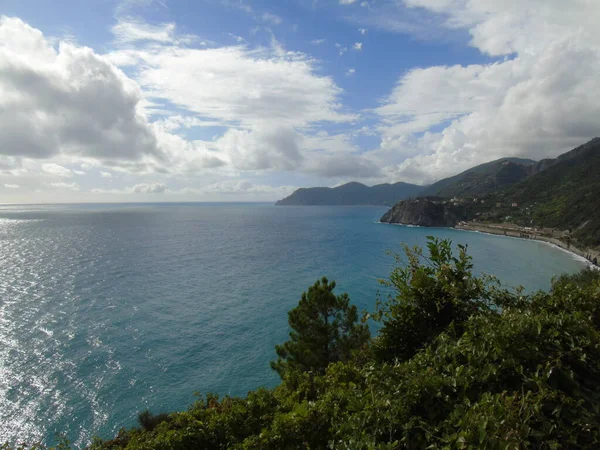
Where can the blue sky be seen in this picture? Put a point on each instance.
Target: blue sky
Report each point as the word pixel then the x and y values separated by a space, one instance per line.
pixel 160 100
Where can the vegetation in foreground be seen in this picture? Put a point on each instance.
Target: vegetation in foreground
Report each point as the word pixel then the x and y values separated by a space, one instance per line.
pixel 458 362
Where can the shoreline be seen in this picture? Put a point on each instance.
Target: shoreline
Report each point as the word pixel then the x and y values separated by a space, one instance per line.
pixel 586 255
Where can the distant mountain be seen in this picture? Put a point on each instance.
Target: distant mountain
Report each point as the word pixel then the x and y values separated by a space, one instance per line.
pixel 482 179
pixel 353 194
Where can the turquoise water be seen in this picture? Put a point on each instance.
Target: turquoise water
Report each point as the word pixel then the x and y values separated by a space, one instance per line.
pixel 108 309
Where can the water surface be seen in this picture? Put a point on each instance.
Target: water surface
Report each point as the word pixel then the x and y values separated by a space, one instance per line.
pixel 108 309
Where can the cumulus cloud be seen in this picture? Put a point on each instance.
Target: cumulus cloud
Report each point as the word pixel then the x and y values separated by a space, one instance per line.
pixel 156 188
pixel 63 185
pixel 350 72
pixel 72 107
pixel 357 46
pixel 238 86
pixel 538 103
pixel 67 100
pixel 262 148
pixel 340 165
pixel 142 188
pixel 55 169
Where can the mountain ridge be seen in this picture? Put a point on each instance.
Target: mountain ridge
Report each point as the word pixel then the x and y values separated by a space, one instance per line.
pixel 353 193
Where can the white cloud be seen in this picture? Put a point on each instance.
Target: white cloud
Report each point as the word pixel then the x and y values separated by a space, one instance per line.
pixel 156 188
pixel 55 169
pixel 357 46
pixel 63 185
pixel 317 41
pixel 343 165
pixel 272 18
pixel 142 188
pixel 350 72
pixel 129 31
pixel 341 48
pixel 238 86
pixel 245 187
pixel 69 101
pixel 11 186
pixel 238 39
pixel 347 2
pixel 510 26
pixel 105 174
pixel 537 104
pixel 268 147
pixel 362 31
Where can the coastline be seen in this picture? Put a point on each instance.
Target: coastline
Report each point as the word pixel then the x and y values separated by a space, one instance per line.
pixel 586 255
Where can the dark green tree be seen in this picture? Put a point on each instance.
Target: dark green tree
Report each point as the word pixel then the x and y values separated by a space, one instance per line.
pixel 325 329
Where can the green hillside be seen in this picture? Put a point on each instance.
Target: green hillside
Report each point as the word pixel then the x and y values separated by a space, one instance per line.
pixel 566 195
pixel 482 179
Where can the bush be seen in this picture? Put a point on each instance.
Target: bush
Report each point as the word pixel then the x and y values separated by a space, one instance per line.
pixel 149 421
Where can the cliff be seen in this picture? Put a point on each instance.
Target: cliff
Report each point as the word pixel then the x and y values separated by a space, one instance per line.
pixel 426 213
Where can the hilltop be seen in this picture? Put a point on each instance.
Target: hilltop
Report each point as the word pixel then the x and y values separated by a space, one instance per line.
pixel 482 179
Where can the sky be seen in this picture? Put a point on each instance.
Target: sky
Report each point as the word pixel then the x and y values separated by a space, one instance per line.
pixel 248 100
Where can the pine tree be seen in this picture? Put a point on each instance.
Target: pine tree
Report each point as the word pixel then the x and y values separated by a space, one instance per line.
pixel 325 329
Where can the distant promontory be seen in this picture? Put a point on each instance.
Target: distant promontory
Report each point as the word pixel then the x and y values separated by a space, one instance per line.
pixel 426 213
pixel 354 194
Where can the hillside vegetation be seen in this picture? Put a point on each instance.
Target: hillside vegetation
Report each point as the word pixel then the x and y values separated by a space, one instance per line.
pixel 458 362
pixel 559 195
pixel 566 195
pixel 482 179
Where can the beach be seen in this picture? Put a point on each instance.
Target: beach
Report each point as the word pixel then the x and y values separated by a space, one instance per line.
pixel 592 256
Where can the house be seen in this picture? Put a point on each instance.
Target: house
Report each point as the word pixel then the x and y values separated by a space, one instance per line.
pixel 514 204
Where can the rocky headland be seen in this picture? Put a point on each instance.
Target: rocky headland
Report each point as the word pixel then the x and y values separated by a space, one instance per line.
pixel 426 213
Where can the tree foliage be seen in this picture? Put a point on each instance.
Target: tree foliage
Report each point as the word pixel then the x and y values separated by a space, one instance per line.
pixel 432 293
pixel 325 329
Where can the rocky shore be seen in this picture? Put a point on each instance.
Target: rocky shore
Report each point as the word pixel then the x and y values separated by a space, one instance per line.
pixel 425 213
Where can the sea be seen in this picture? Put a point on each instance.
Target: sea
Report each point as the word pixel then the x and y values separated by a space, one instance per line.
pixel 109 309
